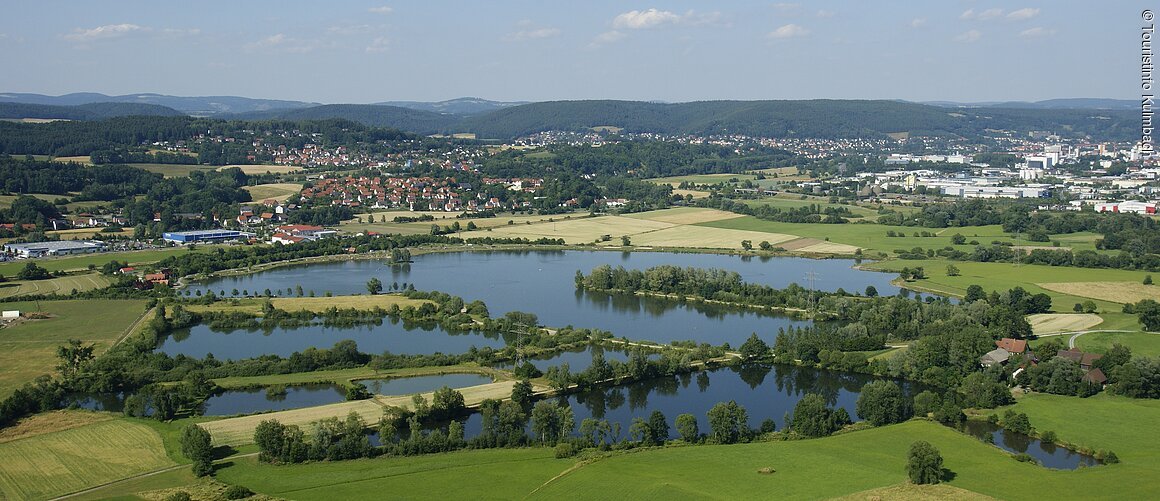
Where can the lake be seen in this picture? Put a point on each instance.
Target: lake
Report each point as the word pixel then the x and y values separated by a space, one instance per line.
pixel 541 282
pixel 392 335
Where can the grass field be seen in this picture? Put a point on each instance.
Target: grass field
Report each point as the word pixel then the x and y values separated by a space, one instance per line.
pixel 1141 343
pixel 28 349
pixel 1047 323
pixel 58 463
pixel 842 465
pixel 793 201
pixel 479 474
pixel 91 233
pixel 278 191
pixel 1114 292
pixel 59 285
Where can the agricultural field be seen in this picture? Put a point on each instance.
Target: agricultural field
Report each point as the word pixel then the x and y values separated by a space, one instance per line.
pixel 785 201
pixel 251 170
pixel 174 170
pixel 1051 323
pixel 384 222
pixel 1112 292
pixel 28 348
pixel 83 261
pixel 680 227
pixel 1141 343
pixel 240 430
pixel 277 191
pixel 57 463
pixel 703 179
pixel 872 238
pixel 59 285
pixel 1003 276
pixel 88 233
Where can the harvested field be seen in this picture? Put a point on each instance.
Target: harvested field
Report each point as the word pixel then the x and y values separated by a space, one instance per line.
pixel 50 422
pixel 579 231
pixel 829 248
pixel 911 492
pixel 240 430
pixel 706 237
pixel 1047 323
pixel 250 170
pixel 61 285
pixel 277 191
pixel 685 215
pixel 53 464
pixel 1116 292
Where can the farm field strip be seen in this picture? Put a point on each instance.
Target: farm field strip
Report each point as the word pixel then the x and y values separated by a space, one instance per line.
pixel 1045 323
pixel 1114 292
pixel 58 463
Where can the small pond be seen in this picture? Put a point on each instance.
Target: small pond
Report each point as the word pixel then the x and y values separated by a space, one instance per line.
pixel 1048 454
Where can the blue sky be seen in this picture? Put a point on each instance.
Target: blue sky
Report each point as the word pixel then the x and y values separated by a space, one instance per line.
pixel 370 51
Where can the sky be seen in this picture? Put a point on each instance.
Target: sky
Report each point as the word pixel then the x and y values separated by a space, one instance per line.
pixel 373 51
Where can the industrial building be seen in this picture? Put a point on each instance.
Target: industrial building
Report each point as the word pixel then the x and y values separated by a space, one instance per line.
pixel 188 237
pixel 61 248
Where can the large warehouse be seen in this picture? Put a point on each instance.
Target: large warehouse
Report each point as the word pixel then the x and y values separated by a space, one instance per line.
pixel 187 237
pixel 61 248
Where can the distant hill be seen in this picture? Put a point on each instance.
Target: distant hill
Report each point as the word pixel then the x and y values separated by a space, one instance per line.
pixel 421 122
pixel 813 118
pixel 1080 103
pixel 460 106
pixel 92 111
pixel 197 106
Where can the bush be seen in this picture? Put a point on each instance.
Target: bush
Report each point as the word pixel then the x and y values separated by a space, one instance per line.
pixel 1025 458
pixel 1048 436
pixel 238 492
pixel 566 450
pixel 178 496
pixel 1109 457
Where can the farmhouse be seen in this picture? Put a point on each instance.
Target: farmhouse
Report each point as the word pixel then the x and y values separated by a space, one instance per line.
pixel 40 249
pixel 994 357
pixel 1012 345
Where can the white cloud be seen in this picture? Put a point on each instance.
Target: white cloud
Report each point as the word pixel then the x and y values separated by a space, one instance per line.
pixel 281 43
pixel 350 29
pixel 103 32
pixel 640 19
pixel 787 6
pixel 789 31
pixel 825 13
pixel 1036 32
pixel 606 38
pixel 969 36
pixel 381 10
pixel 918 22
pixel 986 15
pixel 532 34
pixel 380 44
pixel 1022 14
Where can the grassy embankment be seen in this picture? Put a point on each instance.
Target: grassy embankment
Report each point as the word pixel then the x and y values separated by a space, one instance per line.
pixel 28 349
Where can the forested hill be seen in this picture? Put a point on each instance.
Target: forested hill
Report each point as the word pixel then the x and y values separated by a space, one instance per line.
pixel 826 119
pixel 806 119
pixel 374 115
pixel 92 111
